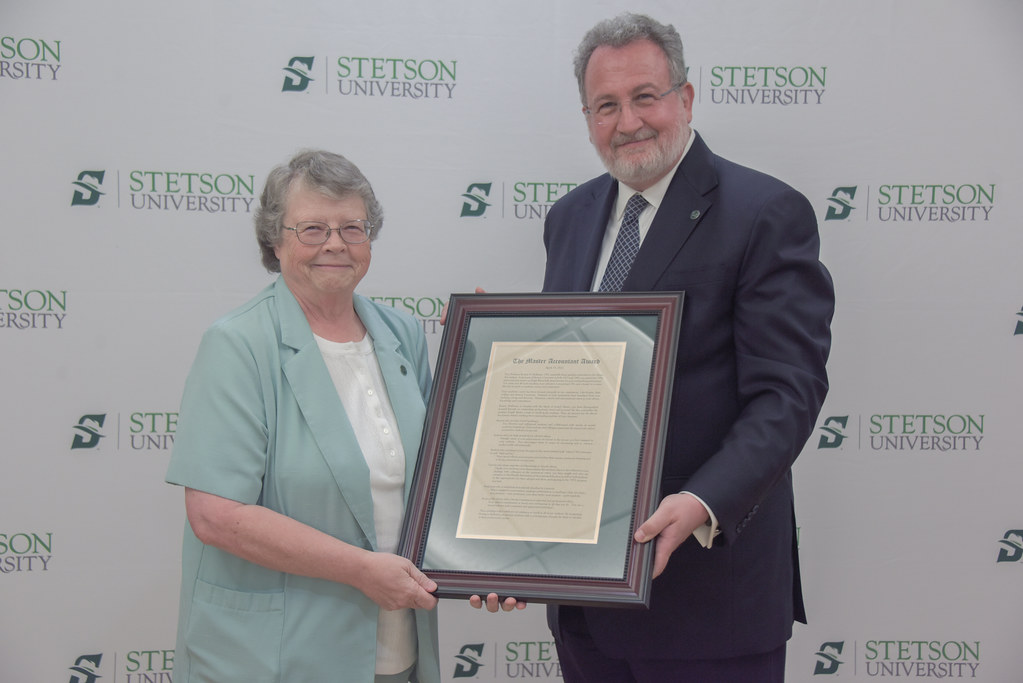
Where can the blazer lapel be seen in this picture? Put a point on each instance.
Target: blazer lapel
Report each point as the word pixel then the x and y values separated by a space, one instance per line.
pixel 592 218
pixel 684 206
pixel 321 407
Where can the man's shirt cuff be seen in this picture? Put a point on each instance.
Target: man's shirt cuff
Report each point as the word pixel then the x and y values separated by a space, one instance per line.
pixel 705 533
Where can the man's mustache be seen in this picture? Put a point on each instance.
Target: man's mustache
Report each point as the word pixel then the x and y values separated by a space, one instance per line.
pixel 635 137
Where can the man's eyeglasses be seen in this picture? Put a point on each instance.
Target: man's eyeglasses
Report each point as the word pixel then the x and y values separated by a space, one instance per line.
pixel 355 231
pixel 608 112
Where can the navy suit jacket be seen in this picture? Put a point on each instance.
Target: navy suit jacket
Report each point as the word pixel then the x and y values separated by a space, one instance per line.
pixel 749 383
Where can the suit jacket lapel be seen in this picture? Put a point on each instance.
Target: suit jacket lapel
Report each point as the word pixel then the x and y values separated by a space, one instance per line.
pixel 595 212
pixel 321 407
pixel 684 206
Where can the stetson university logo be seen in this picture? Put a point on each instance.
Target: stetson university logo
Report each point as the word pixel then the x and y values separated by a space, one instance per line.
pixel 768 85
pixel 907 431
pixel 297 74
pixel 174 189
pixel 140 430
pixel 29 58
pixel 469 663
pixel 402 77
pixel 526 200
pixel 33 308
pixel 840 205
pixel 913 202
pixel 86 669
pixel 87 431
pixel 25 551
pixel 827 658
pixel 1012 546
pixel 833 431
pixel 87 188
pixel 476 200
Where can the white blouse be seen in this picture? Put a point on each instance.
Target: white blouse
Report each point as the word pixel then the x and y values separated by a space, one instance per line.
pixel 356 374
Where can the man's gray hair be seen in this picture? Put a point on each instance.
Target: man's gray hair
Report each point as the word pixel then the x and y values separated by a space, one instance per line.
pixel 623 30
pixel 325 172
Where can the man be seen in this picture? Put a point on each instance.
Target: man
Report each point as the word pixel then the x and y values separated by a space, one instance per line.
pixel 750 377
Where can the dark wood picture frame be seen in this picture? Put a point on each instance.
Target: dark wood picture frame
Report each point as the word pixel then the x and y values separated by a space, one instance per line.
pixel 614 570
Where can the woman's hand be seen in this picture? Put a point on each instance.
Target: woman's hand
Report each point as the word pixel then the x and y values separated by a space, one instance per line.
pixel 393 582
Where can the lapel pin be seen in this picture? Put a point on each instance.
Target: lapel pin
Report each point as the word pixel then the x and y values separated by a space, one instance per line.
pixel 694 215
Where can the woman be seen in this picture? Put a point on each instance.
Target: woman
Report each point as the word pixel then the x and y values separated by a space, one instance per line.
pixel 296 442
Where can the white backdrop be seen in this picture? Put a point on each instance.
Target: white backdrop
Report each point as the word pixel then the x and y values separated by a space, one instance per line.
pixel 135 138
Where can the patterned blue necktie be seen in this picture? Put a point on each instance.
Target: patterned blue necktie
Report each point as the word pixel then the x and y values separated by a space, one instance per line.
pixel 626 246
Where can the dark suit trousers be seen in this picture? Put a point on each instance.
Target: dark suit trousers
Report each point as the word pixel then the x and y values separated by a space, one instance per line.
pixel 583 662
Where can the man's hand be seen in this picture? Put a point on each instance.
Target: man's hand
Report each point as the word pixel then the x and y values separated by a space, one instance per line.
pixel 493 603
pixel 672 523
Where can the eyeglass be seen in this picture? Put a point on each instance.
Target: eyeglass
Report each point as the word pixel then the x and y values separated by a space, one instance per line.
pixel 355 231
pixel 608 112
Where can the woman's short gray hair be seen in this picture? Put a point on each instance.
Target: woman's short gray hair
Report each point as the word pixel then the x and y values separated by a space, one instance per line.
pixel 326 172
pixel 623 30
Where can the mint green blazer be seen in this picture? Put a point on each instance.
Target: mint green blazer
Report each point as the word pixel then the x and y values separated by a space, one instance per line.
pixel 261 423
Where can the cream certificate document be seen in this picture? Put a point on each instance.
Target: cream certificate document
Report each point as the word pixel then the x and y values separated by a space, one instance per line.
pixel 539 461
